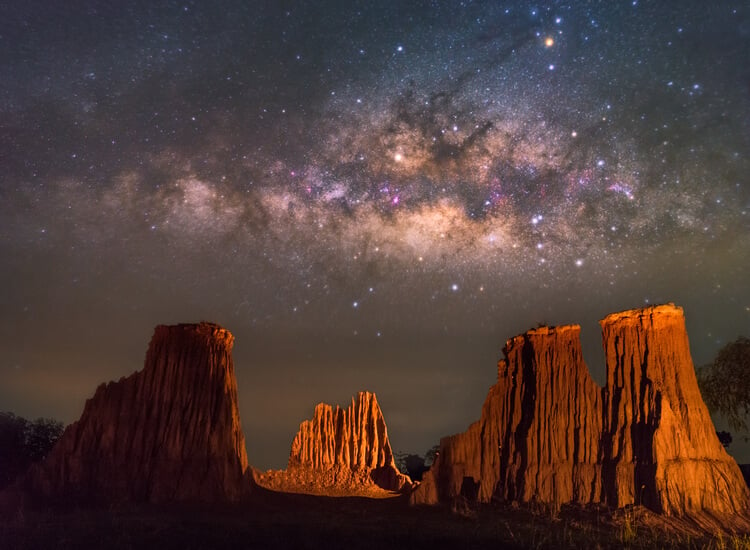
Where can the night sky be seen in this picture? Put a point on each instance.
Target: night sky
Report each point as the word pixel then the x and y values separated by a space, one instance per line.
pixel 368 194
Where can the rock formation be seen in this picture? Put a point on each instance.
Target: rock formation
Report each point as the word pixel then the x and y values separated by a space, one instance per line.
pixel 659 445
pixel 168 433
pixel 340 451
pixel 548 433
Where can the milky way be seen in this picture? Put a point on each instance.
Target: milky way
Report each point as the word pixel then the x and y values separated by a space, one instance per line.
pixel 369 195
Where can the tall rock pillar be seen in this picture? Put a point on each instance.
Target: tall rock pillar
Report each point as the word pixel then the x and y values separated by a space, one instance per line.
pixel 538 436
pixel 659 446
pixel 168 433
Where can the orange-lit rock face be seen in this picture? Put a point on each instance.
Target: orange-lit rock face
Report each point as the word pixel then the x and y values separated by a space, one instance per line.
pixel 355 437
pixel 170 432
pixel 549 433
pixel 340 451
pixel 539 431
pixel 659 443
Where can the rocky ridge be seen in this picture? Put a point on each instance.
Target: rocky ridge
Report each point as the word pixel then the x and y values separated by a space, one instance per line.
pixel 340 451
pixel 549 433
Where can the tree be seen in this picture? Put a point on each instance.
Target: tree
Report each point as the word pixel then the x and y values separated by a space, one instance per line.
pixel 725 438
pixel 431 455
pixel 41 436
pixel 725 383
pixel 414 465
pixel 23 442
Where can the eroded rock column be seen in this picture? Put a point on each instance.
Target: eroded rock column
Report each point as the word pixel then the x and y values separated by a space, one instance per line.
pixel 168 433
pixel 659 445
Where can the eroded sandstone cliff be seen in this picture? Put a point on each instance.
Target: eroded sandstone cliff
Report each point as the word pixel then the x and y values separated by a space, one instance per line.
pixel 549 433
pixel 168 433
pixel 340 451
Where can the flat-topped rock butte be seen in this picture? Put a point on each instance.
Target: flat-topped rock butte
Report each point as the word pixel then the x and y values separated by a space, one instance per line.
pixel 549 433
pixel 168 433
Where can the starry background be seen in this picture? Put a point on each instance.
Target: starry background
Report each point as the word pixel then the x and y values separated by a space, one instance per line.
pixel 369 195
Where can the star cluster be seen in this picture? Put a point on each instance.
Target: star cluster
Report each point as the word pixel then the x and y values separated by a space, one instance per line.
pixel 370 195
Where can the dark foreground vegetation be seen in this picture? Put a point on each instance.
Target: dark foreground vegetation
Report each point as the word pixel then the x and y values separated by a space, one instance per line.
pixel 23 442
pixel 274 520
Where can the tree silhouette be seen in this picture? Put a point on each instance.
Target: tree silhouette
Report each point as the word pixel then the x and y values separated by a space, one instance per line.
pixel 725 383
pixel 725 438
pixel 23 442
pixel 415 465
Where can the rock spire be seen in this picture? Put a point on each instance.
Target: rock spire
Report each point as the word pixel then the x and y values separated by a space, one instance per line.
pixel 340 451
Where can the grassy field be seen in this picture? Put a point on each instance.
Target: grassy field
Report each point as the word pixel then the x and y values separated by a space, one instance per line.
pixel 274 520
